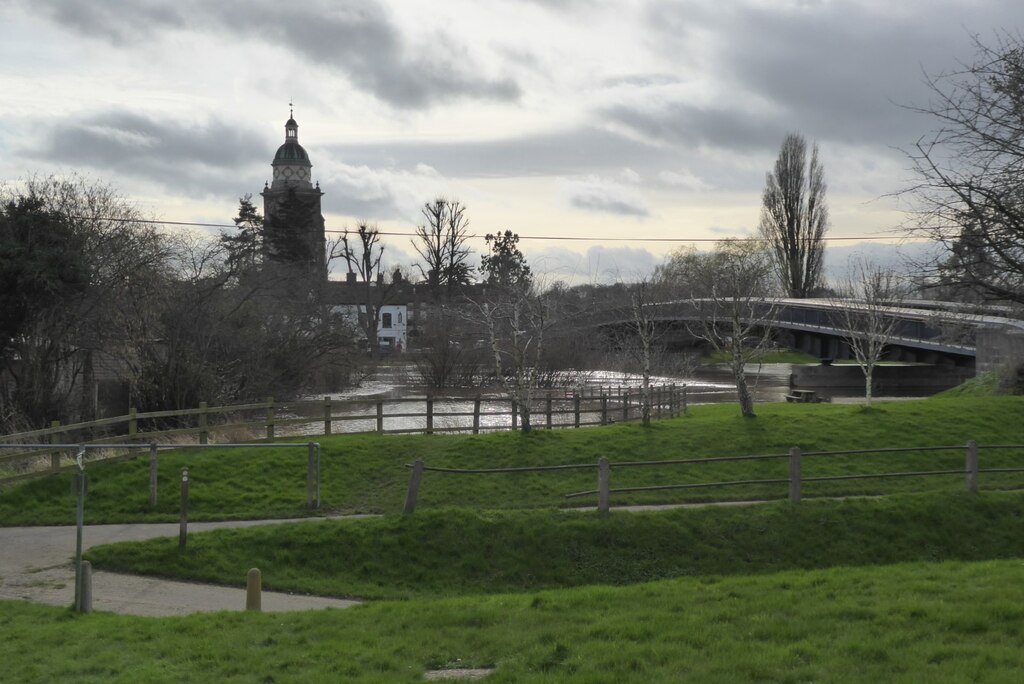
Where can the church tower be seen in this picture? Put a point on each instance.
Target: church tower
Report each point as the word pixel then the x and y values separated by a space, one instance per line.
pixel 293 225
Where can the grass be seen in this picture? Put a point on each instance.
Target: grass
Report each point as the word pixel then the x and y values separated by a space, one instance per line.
pixel 366 473
pixel 949 622
pixel 459 552
pixel 982 385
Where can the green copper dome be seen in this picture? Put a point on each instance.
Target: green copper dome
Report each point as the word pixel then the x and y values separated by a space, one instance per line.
pixel 291 152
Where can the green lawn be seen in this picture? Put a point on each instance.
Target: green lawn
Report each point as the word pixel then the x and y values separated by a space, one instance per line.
pixel 916 622
pixel 366 473
pixel 457 551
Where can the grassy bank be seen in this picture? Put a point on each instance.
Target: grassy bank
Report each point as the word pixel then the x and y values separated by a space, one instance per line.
pixel 454 552
pixel 365 473
pixel 948 622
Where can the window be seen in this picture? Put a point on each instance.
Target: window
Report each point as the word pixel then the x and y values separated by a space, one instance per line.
pixel 399 316
pixel 385 320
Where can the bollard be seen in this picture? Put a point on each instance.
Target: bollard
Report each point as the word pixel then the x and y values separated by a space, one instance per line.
pixel 85 598
pixel 183 525
pixel 254 590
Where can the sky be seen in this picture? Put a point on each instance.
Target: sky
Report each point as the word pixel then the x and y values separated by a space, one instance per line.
pixel 617 123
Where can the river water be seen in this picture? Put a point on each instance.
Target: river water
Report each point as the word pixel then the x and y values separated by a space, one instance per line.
pixel 398 388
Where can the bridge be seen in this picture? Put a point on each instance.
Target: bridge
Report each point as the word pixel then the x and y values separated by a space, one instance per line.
pixel 925 331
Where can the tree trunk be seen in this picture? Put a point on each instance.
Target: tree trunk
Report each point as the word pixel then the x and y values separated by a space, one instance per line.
pixel 868 373
pixel 524 417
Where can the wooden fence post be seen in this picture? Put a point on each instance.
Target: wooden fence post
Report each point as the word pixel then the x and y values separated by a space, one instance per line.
pixel 204 436
pixel 430 415
pixel 672 400
pixel 625 406
pixel 657 394
pixel 604 410
pixel 152 474
pixel 515 415
pixel 54 455
pixel 270 419
pixel 254 590
pixel 575 409
pixel 684 400
pixel 311 501
pixel 476 415
pixel 794 475
pixel 547 409
pixel 183 521
pixel 603 478
pixel 414 486
pixel 380 416
pixel 972 467
pixel 133 423
pixel 327 416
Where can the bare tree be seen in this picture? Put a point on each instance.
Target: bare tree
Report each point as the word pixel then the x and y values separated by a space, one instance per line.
pixel 515 326
pixel 731 295
pixel 794 217
pixel 363 256
pixel 441 243
pixel 864 311
pixel 970 189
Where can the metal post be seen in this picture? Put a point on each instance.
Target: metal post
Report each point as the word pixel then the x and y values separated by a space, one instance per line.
pixel 79 525
pixel 85 603
pixel 310 475
pixel 414 486
pixel 603 477
pixel 972 467
pixel 794 475
pixel 152 474
pixel 183 524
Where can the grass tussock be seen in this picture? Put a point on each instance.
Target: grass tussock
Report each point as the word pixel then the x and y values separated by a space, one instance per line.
pixel 366 473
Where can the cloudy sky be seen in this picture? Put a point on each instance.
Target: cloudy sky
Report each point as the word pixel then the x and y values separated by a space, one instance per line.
pixel 617 120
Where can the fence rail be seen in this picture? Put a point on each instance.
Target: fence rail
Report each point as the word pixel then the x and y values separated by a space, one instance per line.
pixel 270 419
pixel 794 481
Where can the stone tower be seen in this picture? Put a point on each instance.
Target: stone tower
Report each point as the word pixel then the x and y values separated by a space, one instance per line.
pixel 293 225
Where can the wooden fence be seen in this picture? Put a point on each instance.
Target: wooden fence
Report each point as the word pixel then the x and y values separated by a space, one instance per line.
pixel 794 481
pixel 269 419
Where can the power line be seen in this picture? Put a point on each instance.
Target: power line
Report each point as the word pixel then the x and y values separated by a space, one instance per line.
pixel 564 238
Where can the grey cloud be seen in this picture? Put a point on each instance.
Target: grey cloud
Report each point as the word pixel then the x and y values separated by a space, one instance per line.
pixel 561 153
pixel 690 126
pixel 204 160
pixel 832 70
pixel 358 39
pixel 595 198
pixel 599 264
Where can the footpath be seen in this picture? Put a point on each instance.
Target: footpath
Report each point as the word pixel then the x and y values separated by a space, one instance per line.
pixel 36 564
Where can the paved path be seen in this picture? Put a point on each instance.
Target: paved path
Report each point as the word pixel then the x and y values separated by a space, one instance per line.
pixel 36 564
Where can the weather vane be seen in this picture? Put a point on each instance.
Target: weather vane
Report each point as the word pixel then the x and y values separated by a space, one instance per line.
pixel 291 109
